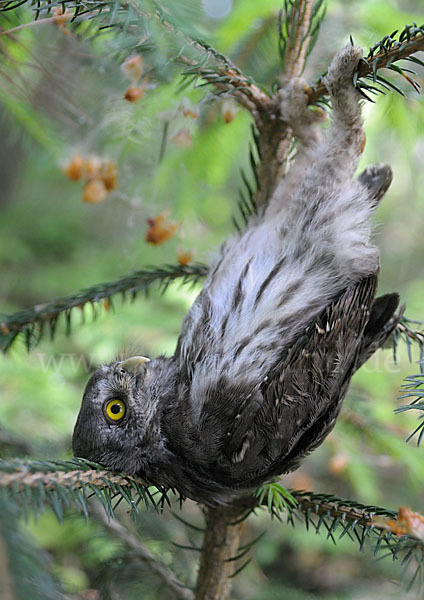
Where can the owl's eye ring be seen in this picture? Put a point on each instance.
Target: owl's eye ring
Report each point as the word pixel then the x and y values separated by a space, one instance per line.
pixel 115 410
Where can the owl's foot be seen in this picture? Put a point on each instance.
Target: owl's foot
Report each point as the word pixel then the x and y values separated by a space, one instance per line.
pixel 294 110
pixel 342 68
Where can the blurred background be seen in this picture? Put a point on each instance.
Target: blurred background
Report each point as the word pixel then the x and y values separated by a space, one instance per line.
pixel 179 151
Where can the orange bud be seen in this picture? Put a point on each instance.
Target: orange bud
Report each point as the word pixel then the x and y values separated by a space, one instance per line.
pixel 183 138
pixel 74 169
pixel 413 522
pixel 184 256
pixel 338 463
pixel 191 112
pixel 363 143
pixel 159 230
pixel 93 166
pixel 59 16
pixel 228 110
pixel 109 175
pixel 406 523
pixel 94 192
pixel 133 94
pixel 132 67
pixel 189 109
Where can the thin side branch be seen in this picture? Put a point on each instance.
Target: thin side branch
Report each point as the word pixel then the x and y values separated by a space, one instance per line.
pixel 275 137
pixel 215 68
pixel 33 320
pixel 229 78
pixel 335 508
pixel 75 479
pixel 142 553
pixel 380 60
pixel 29 477
pixel 298 42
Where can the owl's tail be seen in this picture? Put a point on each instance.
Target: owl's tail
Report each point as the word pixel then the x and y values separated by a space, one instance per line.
pixel 376 180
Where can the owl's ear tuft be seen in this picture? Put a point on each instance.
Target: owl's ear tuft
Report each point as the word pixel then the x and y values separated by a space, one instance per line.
pixel 134 365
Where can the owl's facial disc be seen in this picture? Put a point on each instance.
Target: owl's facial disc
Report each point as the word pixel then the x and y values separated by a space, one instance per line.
pixel 111 413
pixel 120 421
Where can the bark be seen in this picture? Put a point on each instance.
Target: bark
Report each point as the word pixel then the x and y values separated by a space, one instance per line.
pixel 224 527
pixel 6 583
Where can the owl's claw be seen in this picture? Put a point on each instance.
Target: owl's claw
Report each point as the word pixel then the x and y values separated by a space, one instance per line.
pixel 294 107
pixel 342 68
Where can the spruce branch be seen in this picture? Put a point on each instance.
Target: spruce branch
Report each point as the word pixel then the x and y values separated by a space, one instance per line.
pixel 397 535
pixel 31 484
pixel 296 33
pixel 413 387
pixel 211 66
pixel 410 335
pixel 32 322
pixel 139 551
pixel 227 79
pixel 275 138
pixel 383 55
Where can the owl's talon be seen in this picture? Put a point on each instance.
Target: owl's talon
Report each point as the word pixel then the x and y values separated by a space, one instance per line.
pixel 294 105
pixel 342 68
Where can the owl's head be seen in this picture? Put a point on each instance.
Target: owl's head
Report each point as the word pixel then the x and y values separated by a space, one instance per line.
pixel 119 421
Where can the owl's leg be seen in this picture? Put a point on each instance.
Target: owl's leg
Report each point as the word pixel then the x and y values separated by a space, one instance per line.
pixel 329 215
pixel 334 160
pixel 304 123
pixel 346 139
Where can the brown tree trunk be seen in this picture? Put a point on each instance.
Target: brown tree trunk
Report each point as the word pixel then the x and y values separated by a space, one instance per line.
pixel 224 527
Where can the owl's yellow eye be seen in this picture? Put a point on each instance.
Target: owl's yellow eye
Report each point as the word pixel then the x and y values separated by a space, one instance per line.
pixel 115 409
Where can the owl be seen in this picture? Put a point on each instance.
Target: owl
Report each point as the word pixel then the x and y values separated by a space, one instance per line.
pixel 286 315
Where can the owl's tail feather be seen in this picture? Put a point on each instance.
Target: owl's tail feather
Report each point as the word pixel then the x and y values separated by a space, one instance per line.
pixel 382 322
pixel 377 180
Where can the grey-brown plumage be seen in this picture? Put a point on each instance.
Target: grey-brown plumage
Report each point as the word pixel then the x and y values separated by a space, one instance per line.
pixel 266 353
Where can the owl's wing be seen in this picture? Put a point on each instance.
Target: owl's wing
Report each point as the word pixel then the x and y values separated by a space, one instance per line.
pixel 304 393
pixel 382 322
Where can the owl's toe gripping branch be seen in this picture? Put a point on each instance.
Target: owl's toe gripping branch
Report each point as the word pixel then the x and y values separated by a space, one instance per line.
pixel 294 110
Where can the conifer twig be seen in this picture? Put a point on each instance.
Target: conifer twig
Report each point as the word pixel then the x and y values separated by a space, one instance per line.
pixel 33 320
pixel 388 54
pixel 142 553
pixel 298 41
pixel 35 478
pixel 274 136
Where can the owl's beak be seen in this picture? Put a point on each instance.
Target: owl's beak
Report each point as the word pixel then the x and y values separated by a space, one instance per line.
pixel 134 365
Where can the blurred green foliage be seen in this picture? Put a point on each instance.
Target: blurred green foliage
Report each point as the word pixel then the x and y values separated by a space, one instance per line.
pixel 61 94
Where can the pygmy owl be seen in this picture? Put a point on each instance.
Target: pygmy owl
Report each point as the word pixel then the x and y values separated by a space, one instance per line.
pixel 266 353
